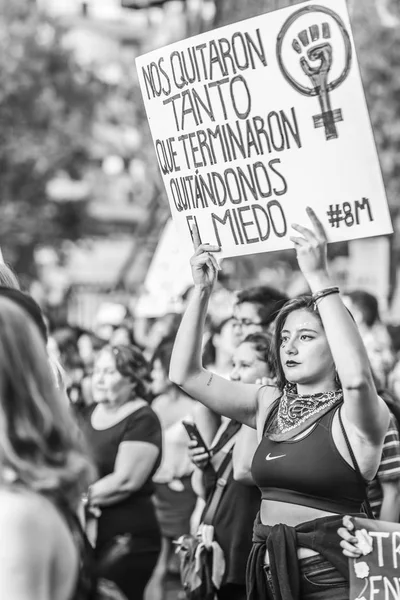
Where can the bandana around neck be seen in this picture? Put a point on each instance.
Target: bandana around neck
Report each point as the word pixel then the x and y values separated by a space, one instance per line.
pixel 296 412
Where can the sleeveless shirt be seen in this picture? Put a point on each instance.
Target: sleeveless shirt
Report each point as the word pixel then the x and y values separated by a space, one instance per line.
pixel 309 471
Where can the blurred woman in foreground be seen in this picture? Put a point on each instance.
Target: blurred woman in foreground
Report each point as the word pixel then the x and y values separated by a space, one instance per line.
pixel 43 468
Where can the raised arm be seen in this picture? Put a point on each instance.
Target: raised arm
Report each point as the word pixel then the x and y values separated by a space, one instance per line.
pixel 235 400
pixel 363 408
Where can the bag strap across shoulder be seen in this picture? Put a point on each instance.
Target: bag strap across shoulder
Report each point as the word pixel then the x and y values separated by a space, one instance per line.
pixel 231 430
pixel 223 475
pixel 366 503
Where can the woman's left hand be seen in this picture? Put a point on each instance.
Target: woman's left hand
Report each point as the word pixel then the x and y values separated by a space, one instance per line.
pixel 311 246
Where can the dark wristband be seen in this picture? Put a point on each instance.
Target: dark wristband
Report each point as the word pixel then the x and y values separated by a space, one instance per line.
pixel 323 293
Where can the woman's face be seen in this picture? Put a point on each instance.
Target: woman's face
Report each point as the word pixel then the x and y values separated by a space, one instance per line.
pixel 108 385
pixel 246 320
pixel 159 379
pixel 304 350
pixel 247 366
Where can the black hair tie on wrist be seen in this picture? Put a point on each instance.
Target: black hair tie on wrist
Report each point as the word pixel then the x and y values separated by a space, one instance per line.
pixel 322 293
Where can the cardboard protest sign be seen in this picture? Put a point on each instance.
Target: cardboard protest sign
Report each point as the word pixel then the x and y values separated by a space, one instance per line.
pixel 254 121
pixel 376 575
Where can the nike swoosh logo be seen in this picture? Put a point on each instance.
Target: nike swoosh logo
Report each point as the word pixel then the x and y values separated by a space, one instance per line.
pixel 269 457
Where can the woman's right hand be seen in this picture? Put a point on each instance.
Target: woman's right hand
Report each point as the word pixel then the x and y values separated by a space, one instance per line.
pixel 349 541
pixel 198 455
pixel 203 263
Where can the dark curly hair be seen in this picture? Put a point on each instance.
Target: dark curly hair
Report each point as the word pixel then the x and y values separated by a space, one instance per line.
pixel 262 344
pixel 267 299
pixel 367 304
pixel 131 363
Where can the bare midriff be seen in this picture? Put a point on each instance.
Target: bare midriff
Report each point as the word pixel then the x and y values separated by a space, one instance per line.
pixel 273 513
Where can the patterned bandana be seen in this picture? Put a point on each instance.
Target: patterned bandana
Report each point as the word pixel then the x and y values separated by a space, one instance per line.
pixel 296 412
pixel 295 409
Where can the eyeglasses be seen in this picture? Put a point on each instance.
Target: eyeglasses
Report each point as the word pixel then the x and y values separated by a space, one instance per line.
pixel 245 323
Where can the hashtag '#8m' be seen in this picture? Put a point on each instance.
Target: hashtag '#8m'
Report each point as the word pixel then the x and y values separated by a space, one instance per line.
pixel 349 213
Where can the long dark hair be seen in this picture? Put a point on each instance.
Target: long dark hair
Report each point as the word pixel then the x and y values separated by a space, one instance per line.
pixel 267 299
pixel 300 303
pixel 39 440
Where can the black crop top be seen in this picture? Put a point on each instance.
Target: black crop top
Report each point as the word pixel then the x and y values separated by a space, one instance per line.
pixel 309 471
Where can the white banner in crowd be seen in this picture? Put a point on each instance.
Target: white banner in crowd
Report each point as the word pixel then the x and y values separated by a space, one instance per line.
pixel 257 120
pixel 168 276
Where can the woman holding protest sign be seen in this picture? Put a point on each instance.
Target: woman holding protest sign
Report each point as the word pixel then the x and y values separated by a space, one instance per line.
pixel 323 414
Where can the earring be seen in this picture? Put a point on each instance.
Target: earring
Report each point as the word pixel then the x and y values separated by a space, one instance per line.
pixel 337 379
pixel 291 387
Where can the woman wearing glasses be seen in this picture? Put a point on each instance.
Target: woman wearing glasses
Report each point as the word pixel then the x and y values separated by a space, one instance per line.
pixel 323 404
pixel 255 310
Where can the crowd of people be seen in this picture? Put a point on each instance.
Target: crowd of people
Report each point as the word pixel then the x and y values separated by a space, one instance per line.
pixel 297 406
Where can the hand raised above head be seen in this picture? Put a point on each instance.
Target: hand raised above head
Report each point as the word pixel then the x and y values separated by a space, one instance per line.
pixel 203 263
pixel 311 246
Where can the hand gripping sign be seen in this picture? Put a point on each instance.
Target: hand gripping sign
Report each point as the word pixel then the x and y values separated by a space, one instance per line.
pixel 376 574
pixel 257 120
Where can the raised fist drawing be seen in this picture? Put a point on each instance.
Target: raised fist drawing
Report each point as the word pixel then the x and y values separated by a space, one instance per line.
pixel 320 53
pixel 314 43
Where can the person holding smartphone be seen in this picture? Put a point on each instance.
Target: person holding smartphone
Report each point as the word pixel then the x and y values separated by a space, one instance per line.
pixel 174 499
pixel 234 517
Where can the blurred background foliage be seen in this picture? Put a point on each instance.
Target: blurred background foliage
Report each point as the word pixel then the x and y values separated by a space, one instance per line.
pixel 47 109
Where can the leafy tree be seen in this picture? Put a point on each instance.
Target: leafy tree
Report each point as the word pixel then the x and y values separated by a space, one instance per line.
pixel 378 49
pixel 47 105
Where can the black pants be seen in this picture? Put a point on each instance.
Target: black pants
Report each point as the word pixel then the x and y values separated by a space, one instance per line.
pixel 232 591
pixel 131 572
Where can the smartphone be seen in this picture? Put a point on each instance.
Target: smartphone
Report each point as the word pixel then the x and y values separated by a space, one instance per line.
pixel 195 435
